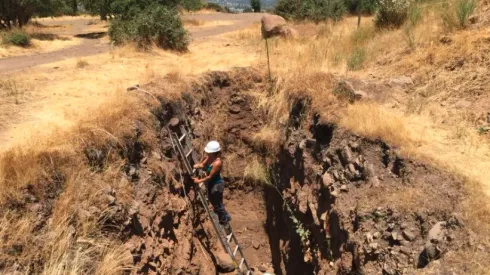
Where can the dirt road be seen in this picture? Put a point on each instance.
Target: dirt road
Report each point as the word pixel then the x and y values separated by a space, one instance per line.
pixel 94 44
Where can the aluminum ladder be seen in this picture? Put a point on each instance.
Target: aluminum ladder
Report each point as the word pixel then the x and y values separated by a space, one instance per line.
pixel 227 238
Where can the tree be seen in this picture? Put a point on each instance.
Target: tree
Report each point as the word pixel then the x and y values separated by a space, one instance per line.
pixel 364 6
pixel 147 22
pixel 316 10
pixel 255 4
pixel 17 13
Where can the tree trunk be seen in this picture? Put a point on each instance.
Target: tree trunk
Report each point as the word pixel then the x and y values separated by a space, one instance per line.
pixel 74 7
pixel 358 19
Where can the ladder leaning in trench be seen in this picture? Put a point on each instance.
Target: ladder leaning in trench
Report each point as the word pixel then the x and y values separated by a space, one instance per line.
pixel 226 238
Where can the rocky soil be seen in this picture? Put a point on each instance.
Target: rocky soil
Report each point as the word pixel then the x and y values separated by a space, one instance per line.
pixel 345 204
pixel 337 204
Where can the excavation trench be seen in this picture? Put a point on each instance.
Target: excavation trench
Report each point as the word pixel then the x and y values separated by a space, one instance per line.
pixel 324 201
pixel 334 202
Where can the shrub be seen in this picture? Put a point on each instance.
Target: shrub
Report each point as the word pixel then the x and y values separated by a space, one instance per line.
pixel 17 38
pixel 414 16
pixel 392 13
pixel 316 10
pixel 361 6
pixel 192 5
pixel 457 15
pixel 214 6
pixel 356 59
pixel 155 24
pixel 255 4
pixel 464 9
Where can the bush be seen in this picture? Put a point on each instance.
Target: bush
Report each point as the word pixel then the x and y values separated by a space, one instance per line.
pixel 356 59
pixel 457 15
pixel 464 9
pixel 215 7
pixel 362 6
pixel 255 4
pixel 392 13
pixel 154 24
pixel 17 38
pixel 316 10
pixel 192 5
pixel 414 16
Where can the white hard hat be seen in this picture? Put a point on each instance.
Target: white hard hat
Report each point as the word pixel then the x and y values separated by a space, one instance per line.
pixel 212 147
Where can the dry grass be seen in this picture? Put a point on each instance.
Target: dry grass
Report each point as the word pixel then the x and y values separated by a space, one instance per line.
pixel 196 23
pixel 192 22
pixel 255 172
pixel 55 172
pixel 373 121
pixel 57 98
pixel 82 64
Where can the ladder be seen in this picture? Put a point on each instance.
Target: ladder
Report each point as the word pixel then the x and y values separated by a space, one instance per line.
pixel 225 235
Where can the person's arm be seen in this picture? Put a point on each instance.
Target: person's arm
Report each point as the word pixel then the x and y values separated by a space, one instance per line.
pixel 201 165
pixel 216 169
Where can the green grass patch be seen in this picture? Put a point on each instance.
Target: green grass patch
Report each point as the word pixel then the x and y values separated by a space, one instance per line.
pixel 17 38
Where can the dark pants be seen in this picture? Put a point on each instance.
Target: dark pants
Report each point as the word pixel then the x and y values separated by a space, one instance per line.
pixel 215 195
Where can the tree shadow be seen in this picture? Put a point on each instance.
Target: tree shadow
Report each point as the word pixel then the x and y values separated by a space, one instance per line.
pixel 47 36
pixel 92 35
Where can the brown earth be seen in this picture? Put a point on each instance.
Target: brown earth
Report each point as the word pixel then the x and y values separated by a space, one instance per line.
pixel 335 203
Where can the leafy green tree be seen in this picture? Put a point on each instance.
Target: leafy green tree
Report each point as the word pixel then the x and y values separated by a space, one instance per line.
pixel 255 4
pixel 316 10
pixel 148 22
pixel 17 13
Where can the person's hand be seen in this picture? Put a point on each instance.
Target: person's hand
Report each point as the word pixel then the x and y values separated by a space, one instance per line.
pixel 196 180
pixel 197 166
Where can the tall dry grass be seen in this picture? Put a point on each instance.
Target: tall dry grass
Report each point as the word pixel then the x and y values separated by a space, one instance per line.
pixel 54 177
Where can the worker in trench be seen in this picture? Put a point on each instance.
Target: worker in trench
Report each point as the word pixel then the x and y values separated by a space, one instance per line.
pixel 212 165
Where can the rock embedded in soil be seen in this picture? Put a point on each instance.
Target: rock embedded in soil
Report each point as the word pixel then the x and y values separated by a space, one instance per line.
pixel 344 188
pixel 409 236
pixel 262 268
pixel 234 109
pixel 327 180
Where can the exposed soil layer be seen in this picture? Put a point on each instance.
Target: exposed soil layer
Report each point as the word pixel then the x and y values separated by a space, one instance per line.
pixel 357 205
pixel 336 202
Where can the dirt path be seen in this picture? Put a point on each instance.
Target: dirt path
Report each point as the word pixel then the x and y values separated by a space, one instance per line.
pixel 93 44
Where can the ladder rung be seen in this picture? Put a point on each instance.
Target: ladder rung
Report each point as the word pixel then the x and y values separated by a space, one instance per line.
pixel 241 262
pixel 228 238
pixel 189 153
pixel 182 137
pixel 236 249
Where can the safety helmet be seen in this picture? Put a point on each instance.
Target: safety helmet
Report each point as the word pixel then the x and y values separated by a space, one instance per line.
pixel 212 147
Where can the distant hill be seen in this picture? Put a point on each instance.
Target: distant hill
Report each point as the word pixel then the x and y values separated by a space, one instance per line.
pixel 242 4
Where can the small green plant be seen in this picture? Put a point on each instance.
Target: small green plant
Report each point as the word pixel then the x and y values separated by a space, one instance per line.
pixel 17 38
pixel 303 233
pixel 414 16
pixel 484 130
pixel 356 59
pixel 464 8
pixel 457 15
